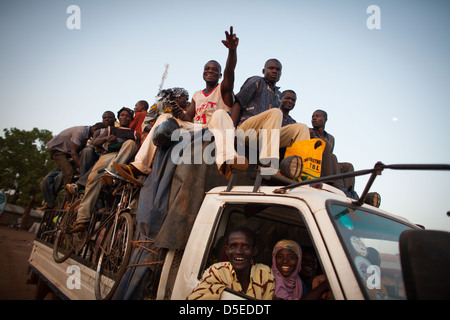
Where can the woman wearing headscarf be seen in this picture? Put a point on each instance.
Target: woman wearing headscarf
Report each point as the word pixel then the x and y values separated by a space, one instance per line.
pixel 179 95
pixel 286 266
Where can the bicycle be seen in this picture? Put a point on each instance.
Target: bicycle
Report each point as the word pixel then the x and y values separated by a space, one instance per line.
pixel 115 247
pixel 65 244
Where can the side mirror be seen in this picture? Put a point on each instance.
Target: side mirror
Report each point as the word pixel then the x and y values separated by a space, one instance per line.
pixel 374 199
pixel 425 260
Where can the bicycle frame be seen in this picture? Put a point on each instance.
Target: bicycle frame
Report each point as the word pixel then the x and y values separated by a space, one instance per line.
pixel 68 201
pixel 124 203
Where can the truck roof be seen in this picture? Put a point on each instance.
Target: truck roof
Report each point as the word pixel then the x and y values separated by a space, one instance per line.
pixel 316 192
pixel 315 196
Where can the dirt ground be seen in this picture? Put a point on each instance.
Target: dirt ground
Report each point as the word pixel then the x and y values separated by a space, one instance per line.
pixel 15 249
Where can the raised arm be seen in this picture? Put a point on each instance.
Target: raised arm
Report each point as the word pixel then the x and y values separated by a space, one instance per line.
pixel 231 42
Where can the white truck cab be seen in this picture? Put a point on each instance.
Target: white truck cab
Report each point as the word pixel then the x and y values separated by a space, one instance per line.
pixel 356 246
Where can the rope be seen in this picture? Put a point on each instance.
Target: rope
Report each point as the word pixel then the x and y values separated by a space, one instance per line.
pixel 146 264
pixel 137 244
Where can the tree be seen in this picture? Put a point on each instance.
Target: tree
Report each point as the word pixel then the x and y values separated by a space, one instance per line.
pixel 24 162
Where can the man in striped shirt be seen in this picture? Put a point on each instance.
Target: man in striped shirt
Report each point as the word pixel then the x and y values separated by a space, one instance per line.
pixel 239 274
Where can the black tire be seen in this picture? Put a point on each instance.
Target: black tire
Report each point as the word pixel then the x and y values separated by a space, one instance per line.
pixel 114 256
pixel 66 243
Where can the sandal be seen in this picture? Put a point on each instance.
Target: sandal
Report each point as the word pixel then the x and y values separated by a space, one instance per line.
pixel 126 172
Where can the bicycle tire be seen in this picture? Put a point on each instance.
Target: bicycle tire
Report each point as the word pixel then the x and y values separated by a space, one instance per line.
pixel 65 243
pixel 112 264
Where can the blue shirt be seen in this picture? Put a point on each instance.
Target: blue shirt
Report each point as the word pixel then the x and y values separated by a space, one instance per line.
pixel 257 95
pixel 287 119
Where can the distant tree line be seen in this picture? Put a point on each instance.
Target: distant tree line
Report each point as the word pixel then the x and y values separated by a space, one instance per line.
pixel 24 162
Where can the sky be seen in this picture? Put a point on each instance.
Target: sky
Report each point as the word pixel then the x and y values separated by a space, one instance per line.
pixel 382 75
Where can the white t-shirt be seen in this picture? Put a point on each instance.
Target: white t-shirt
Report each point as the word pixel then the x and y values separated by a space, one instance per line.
pixel 205 105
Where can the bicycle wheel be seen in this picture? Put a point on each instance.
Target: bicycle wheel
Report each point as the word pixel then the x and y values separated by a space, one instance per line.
pixel 66 243
pixel 114 256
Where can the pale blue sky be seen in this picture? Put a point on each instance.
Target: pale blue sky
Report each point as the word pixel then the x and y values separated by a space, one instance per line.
pixel 53 78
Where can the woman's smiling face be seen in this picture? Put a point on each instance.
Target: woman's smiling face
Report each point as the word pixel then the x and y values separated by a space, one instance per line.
pixel 125 118
pixel 286 261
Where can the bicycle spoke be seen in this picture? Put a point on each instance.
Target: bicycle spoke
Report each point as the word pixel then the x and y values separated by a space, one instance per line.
pixel 65 242
pixel 114 256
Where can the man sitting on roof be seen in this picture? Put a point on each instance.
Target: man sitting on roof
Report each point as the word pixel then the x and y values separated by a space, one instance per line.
pixel 318 121
pixel 210 108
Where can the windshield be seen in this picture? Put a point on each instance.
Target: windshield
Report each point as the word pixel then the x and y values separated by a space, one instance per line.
pixel 371 243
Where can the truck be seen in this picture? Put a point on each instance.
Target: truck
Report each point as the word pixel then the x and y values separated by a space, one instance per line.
pixel 362 251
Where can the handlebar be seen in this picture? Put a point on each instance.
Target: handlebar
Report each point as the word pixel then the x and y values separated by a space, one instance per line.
pixel 110 173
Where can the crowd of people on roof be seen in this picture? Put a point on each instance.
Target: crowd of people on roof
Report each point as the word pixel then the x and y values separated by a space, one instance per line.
pixel 125 145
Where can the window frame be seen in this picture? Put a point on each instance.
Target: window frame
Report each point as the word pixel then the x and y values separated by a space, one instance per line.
pixel 228 209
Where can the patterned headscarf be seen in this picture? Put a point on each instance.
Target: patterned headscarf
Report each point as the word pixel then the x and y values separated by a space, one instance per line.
pixel 288 288
pixel 172 93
